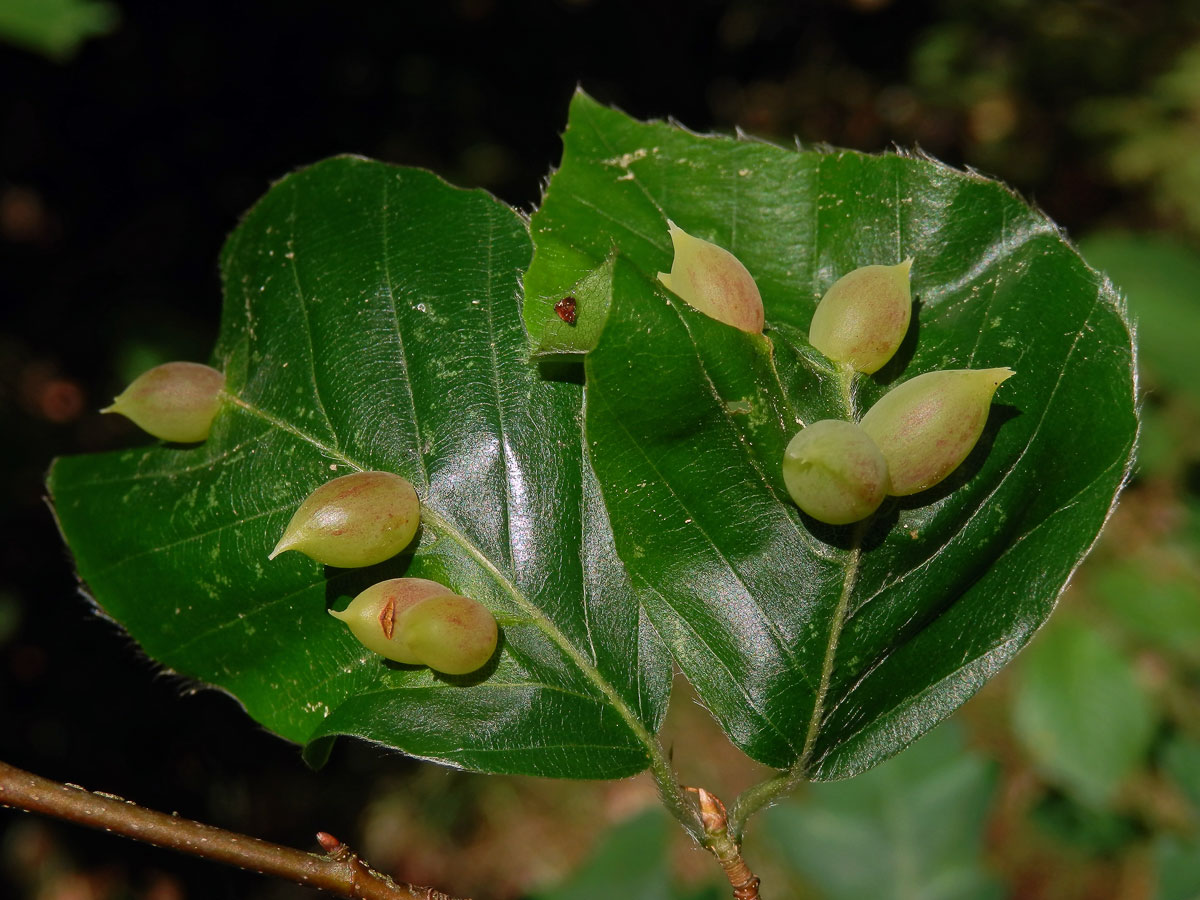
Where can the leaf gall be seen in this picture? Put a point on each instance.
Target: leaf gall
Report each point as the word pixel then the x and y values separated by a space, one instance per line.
pixel 356 520
pixel 926 426
pixel 863 317
pixel 422 623
pixel 834 472
pixel 176 401
pixel 713 281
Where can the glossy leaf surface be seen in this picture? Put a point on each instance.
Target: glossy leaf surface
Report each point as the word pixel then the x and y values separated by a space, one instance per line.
pixel 372 321
pixel 809 643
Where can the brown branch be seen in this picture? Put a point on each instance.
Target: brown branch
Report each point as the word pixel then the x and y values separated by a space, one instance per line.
pixel 339 871
pixel 719 843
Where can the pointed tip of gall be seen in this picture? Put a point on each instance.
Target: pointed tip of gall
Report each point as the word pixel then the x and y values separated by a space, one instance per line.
pixel 282 547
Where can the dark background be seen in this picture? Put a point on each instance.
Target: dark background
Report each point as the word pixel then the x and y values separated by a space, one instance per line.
pixel 123 168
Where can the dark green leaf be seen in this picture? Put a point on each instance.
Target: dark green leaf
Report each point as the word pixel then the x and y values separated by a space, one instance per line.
pixel 808 642
pixel 1081 713
pixel 372 321
pixel 911 828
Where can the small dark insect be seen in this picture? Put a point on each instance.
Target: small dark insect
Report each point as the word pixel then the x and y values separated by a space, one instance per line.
pixel 566 309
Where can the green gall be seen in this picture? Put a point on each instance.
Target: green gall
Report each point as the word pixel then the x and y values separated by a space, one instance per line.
pixel 451 634
pixel 834 472
pixel 356 520
pixel 372 615
pixel 711 280
pixel 422 623
pixel 176 401
pixel 926 426
pixel 863 317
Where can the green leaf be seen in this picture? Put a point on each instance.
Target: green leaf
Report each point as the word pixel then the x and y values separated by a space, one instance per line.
pixel 55 28
pixel 825 645
pixel 592 296
pixel 1081 713
pixel 372 321
pixel 1178 863
pixel 1181 760
pixel 1159 276
pixel 913 827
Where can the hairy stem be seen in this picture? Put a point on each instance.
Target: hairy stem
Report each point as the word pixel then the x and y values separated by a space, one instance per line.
pixel 674 795
pixel 338 871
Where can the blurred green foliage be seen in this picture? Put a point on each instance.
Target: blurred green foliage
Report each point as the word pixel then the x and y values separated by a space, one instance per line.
pixel 55 28
pixel 1178 863
pixel 1155 603
pixel 631 862
pixel 1081 713
pixel 911 827
pixel 1152 136
pixel 1178 855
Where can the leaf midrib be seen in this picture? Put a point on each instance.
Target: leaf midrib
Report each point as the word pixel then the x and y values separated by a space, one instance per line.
pixel 546 625
pixel 600 395
pixel 389 283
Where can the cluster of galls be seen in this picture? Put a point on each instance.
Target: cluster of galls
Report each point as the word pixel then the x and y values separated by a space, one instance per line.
pixel 365 518
pixel 356 520
pixel 836 471
pixel 918 433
